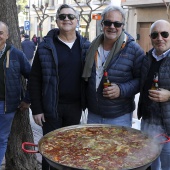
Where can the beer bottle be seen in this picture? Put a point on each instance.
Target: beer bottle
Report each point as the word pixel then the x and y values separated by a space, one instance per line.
pixel 106 80
pixel 155 85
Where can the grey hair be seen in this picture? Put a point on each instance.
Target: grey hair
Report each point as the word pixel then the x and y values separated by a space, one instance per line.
pixel 66 6
pixel 7 28
pixel 113 8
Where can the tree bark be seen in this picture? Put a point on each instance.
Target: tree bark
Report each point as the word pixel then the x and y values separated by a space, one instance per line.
pixel 21 131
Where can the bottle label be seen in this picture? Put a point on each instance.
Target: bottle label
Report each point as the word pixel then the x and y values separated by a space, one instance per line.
pixel 155 85
pixel 106 85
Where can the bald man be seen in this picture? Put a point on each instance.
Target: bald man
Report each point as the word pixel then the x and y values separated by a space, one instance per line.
pixel 154 105
pixel 13 64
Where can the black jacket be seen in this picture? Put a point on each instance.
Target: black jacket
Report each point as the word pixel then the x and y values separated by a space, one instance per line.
pixel 44 75
pixel 164 82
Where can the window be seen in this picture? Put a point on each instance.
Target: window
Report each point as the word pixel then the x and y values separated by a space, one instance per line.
pixel 50 2
pixel 38 3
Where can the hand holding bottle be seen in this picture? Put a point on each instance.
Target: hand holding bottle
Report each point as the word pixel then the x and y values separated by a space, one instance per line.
pixel 112 91
pixel 106 82
pixel 161 95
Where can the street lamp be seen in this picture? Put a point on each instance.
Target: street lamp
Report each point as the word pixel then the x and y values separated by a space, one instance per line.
pixel 27 22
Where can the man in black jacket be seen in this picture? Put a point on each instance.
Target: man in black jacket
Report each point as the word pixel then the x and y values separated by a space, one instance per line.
pixel 154 105
pixel 56 85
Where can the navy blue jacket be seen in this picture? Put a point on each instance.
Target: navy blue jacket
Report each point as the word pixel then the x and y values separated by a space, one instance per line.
pixel 124 70
pixel 44 75
pixel 164 82
pixel 28 47
pixel 15 66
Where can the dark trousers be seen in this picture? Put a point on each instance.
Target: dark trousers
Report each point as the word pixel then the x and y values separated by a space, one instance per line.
pixel 68 114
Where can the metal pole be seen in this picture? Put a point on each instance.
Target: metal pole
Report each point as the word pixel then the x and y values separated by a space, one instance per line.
pixel 29 19
pixel 27 8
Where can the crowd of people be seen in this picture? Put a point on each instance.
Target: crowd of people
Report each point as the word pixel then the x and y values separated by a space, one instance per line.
pixel 65 77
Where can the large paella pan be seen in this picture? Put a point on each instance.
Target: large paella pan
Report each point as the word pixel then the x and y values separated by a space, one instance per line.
pixel 97 147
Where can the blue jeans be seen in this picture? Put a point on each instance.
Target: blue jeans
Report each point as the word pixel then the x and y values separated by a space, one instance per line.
pixel 125 120
pixel 163 161
pixel 5 128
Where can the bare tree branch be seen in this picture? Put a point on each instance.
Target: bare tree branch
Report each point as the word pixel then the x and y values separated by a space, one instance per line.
pixel 167 7
pixel 42 16
pixel 89 12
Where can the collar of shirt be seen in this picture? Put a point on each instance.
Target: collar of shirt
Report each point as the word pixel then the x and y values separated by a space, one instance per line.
pixel 2 51
pixel 160 57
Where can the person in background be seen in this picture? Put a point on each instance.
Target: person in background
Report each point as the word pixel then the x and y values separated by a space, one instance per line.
pixel 116 52
pixel 56 86
pixel 35 39
pixel 28 47
pixel 13 65
pixel 22 37
pixel 154 105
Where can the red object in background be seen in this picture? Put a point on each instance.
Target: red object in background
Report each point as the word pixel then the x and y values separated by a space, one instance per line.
pixel 96 16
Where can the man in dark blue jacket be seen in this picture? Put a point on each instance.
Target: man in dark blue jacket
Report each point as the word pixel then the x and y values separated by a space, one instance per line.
pixel 13 65
pixel 56 86
pixel 116 52
pixel 28 47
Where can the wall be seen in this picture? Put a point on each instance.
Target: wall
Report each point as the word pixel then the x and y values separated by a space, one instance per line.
pixel 131 20
pixel 147 14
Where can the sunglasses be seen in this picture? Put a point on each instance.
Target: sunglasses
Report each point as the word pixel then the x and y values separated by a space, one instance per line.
pixel 109 23
pixel 69 16
pixel 164 34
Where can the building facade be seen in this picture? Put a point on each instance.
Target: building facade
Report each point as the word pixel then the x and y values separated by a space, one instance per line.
pixel 140 14
pixel 49 23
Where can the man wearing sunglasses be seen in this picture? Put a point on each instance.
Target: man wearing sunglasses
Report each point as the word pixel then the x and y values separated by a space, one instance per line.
pixel 116 52
pixel 154 105
pixel 56 85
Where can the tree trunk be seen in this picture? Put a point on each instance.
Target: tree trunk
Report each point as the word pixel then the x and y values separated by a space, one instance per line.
pixel 40 30
pixel 21 131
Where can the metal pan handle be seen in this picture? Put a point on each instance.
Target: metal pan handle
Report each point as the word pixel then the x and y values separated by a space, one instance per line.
pixel 29 144
pixel 166 136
